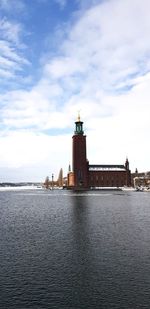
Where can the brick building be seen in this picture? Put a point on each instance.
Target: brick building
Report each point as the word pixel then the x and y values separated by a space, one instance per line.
pixel 86 176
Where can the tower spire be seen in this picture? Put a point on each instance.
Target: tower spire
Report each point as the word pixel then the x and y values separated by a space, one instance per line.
pixel 79 126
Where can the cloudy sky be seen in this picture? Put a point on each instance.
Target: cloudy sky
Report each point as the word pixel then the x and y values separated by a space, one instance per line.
pixel 58 57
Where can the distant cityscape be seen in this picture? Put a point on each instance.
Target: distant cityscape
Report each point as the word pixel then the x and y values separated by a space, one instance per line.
pixel 82 175
pixel 137 179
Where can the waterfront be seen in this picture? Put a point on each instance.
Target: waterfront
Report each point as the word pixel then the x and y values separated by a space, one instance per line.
pixel 60 249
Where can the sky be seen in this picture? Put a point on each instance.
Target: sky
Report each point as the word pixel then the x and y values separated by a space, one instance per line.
pixel 61 57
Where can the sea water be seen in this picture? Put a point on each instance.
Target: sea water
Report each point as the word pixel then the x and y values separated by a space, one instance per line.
pixel 60 249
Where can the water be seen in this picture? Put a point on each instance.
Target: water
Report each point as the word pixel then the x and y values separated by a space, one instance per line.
pixel 74 251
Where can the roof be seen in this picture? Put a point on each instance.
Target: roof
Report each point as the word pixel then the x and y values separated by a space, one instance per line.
pixel 107 167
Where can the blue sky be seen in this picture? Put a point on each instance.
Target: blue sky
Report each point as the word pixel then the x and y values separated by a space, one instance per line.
pixel 58 57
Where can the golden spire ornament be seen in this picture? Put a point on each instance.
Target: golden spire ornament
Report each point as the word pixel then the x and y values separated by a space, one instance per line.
pixel 78 119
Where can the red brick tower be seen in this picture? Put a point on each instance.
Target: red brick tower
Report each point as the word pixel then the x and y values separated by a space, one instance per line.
pixel 80 163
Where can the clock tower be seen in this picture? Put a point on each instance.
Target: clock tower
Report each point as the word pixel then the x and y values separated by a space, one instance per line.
pixel 79 160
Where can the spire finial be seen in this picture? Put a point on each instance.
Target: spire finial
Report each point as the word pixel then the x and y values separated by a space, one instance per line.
pixel 78 118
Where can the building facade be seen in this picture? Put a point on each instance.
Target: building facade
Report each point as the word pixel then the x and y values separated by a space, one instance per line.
pixel 86 176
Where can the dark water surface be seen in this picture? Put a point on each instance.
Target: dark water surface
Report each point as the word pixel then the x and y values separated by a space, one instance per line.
pixel 74 251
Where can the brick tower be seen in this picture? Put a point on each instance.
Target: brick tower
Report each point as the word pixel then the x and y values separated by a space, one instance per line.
pixel 79 162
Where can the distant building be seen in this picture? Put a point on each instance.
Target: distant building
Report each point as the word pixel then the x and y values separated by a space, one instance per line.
pixel 141 179
pixel 86 176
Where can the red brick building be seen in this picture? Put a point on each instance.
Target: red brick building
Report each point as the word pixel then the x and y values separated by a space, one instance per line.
pixel 86 176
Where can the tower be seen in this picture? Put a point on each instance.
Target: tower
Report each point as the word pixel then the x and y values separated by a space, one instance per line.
pixel 80 164
pixel 127 164
pixel 128 173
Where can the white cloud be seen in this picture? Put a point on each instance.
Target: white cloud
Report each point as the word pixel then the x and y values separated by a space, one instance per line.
pixel 12 60
pixel 35 108
pixel 33 151
pixel 10 31
pixel 126 133
pixel 109 40
pixel 10 52
pixel 5 73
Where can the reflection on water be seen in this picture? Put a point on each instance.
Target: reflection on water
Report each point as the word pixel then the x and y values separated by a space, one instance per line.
pixel 74 250
pixel 81 250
